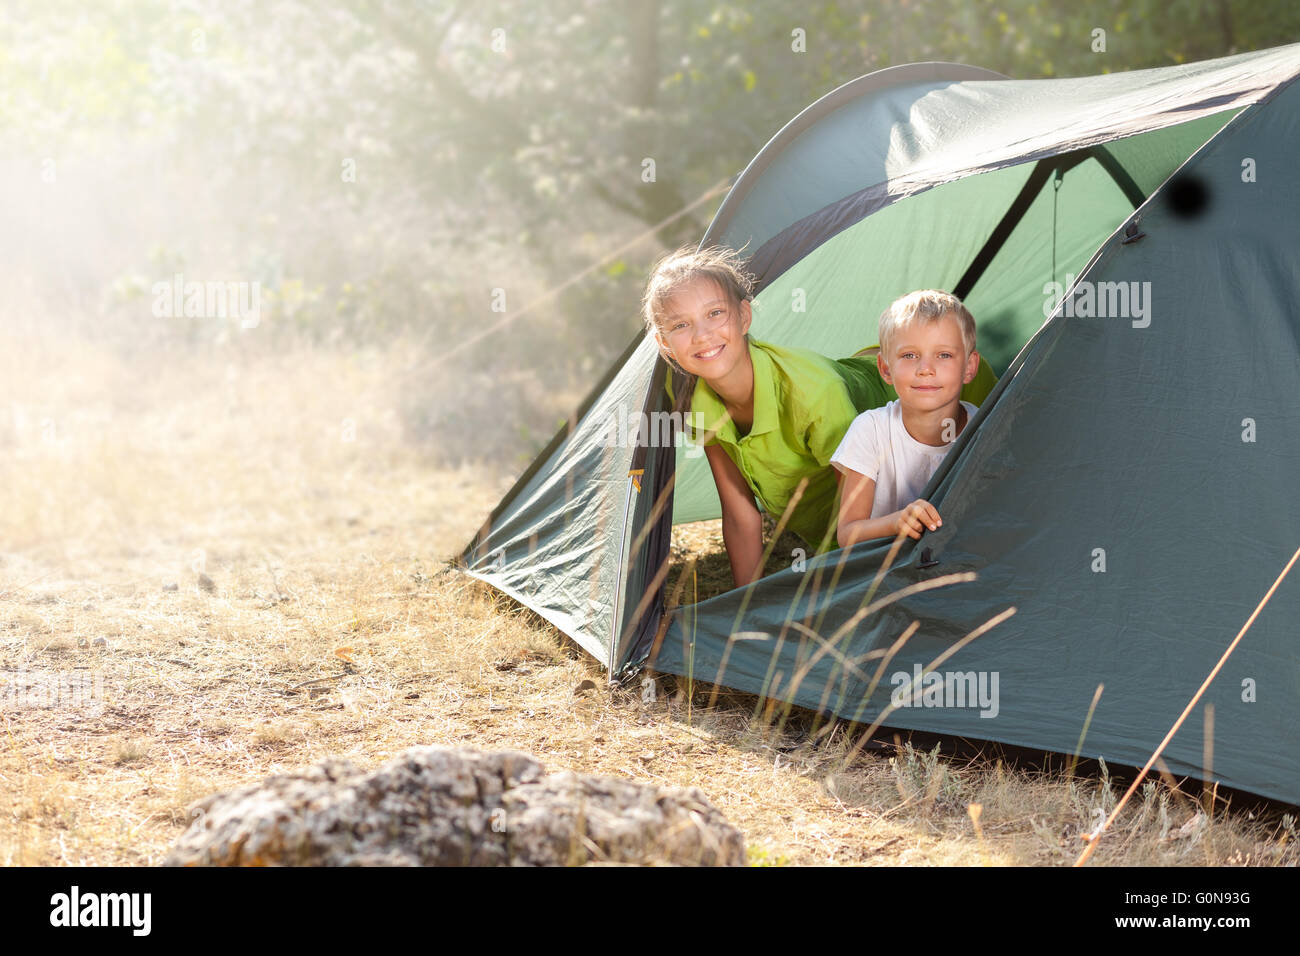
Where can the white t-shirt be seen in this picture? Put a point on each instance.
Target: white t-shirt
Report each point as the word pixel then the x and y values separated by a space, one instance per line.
pixel 877 446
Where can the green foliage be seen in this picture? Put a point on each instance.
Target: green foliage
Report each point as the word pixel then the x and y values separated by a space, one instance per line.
pixel 381 167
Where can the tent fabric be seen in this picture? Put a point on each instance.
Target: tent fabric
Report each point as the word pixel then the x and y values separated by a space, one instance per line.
pixel 1155 475
pixel 917 134
pixel 1145 160
pixel 556 544
pixel 1092 447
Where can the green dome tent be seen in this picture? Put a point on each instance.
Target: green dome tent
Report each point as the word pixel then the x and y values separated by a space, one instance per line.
pixel 1125 488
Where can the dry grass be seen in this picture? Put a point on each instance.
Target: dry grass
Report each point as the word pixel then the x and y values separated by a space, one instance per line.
pixel 331 627
pixel 703 542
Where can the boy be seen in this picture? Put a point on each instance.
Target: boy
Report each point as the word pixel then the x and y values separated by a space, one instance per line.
pixel 927 352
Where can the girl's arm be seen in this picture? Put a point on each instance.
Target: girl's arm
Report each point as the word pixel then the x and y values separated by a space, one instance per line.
pixel 742 525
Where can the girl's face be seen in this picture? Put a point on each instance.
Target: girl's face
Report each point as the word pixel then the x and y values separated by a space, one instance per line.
pixel 703 330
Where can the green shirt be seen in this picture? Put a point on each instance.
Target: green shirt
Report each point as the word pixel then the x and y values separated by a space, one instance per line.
pixel 803 405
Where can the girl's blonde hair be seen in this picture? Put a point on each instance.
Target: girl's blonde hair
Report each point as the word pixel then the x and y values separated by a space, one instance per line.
pixel 724 266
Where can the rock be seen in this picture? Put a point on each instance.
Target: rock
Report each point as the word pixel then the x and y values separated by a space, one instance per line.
pixel 206 583
pixel 436 806
pixel 171 586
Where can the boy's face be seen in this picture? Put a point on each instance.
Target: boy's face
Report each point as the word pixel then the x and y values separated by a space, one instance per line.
pixel 703 330
pixel 927 363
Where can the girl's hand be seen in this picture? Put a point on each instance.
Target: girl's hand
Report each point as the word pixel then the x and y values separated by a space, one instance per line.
pixel 916 518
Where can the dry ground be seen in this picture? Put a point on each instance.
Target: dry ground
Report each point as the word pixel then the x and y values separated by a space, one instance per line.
pixel 244 584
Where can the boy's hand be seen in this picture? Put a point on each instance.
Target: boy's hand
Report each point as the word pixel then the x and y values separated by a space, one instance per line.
pixel 917 517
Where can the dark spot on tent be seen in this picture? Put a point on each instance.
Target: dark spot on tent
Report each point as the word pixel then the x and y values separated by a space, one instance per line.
pixel 1188 196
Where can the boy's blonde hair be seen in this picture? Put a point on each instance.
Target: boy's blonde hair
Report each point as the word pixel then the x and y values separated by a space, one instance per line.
pixel 724 266
pixel 928 305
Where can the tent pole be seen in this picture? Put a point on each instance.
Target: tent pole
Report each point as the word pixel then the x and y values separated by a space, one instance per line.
pixel 1043 171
